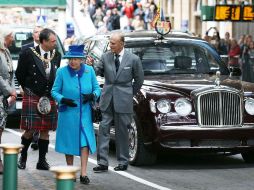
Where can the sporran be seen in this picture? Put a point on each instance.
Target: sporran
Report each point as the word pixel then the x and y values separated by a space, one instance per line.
pixel 44 106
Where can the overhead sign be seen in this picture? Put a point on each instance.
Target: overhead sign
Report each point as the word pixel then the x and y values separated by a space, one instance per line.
pixel 227 13
pixel 33 3
pixel 248 13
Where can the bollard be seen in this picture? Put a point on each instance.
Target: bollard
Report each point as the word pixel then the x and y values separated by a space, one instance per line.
pixel 65 176
pixel 10 165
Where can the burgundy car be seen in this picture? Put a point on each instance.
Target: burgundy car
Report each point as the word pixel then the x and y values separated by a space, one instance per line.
pixel 190 100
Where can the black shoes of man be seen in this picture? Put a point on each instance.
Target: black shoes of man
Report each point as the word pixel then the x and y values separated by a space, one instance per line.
pixel 42 165
pixel 22 163
pixel 121 168
pixel 101 168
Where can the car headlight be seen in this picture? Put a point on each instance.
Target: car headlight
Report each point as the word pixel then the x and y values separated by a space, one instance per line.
pixel 183 106
pixel 164 106
pixel 152 106
pixel 249 106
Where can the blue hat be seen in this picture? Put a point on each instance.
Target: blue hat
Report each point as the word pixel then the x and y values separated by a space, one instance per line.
pixel 75 51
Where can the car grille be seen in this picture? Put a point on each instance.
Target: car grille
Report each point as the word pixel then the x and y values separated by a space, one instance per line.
pixel 219 109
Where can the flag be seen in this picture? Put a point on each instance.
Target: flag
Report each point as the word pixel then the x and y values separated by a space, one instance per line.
pixel 156 16
pixel 162 18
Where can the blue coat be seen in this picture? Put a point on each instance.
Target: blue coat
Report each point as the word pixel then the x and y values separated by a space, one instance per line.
pixel 75 127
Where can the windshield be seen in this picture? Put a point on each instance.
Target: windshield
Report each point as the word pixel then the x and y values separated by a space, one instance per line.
pixel 175 59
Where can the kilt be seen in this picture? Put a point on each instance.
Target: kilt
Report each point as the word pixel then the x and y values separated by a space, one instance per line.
pixel 31 118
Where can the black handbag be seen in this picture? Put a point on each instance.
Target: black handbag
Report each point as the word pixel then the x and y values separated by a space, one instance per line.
pixel 96 112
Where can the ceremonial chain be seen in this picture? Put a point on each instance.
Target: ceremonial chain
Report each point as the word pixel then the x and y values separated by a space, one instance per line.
pixel 42 58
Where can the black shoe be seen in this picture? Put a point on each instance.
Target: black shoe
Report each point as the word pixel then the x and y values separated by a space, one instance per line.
pixel 42 165
pixel 121 168
pixel 34 146
pixel 84 180
pixel 100 168
pixel 22 163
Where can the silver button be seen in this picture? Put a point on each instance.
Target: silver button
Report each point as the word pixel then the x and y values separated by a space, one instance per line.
pixel 35 81
pixel 33 65
pixel 34 73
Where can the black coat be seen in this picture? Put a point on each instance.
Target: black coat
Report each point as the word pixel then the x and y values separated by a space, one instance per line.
pixel 30 72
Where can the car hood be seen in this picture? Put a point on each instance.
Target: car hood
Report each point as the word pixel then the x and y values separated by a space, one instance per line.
pixel 187 83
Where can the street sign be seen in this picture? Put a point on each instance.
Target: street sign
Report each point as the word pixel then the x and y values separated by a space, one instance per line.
pixel 227 13
pixel 41 19
pixel 248 13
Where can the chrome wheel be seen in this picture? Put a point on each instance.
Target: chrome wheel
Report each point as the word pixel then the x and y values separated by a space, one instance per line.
pixel 133 140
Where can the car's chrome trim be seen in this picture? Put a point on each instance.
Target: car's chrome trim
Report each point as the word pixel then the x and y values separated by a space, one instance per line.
pixel 196 128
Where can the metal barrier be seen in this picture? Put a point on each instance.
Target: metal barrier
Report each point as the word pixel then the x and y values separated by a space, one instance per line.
pixel 10 165
pixel 65 176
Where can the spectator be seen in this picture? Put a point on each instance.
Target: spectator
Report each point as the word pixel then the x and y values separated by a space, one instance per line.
pixel 226 41
pixel 128 9
pixel 129 26
pixel 97 17
pixel 138 23
pixel 115 19
pixel 234 53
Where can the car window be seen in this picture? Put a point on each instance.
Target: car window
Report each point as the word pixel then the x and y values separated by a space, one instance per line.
pixel 96 49
pixel 178 59
pixel 22 38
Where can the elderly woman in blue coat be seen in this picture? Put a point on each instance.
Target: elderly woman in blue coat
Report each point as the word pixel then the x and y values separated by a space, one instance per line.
pixel 74 89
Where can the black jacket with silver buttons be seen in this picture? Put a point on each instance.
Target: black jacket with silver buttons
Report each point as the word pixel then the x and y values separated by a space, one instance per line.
pixel 30 72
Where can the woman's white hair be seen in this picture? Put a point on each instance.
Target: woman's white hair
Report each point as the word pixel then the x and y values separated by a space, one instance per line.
pixel 5 31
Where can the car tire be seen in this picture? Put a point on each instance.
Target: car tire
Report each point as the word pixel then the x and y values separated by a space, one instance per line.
pixel 248 157
pixel 139 154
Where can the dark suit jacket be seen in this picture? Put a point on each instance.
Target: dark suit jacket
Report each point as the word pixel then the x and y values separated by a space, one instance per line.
pixel 28 45
pixel 30 72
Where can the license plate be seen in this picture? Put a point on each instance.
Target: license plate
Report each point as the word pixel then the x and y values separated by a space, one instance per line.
pixel 18 105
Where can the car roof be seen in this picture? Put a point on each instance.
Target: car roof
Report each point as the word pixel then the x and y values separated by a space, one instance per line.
pixel 148 34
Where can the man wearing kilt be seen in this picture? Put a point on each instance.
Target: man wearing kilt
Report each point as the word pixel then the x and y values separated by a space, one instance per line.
pixel 36 73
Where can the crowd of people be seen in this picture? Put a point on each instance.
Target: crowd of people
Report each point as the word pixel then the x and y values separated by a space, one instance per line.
pixel 239 52
pixel 61 99
pixel 127 15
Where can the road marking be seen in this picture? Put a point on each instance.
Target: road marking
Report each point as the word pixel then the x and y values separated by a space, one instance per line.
pixel 122 173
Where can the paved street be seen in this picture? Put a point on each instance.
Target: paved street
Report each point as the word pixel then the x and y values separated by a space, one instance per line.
pixel 178 172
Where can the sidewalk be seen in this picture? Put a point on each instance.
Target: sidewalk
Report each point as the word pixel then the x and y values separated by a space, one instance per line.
pixel 33 179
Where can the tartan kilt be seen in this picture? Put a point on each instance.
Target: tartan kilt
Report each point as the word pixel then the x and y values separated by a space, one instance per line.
pixel 31 118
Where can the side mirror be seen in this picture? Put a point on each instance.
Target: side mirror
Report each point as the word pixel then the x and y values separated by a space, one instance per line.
pixel 235 71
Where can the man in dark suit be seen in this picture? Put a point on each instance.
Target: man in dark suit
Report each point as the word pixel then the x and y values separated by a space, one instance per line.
pixel 36 73
pixel 36 40
pixel 123 78
pixel 34 43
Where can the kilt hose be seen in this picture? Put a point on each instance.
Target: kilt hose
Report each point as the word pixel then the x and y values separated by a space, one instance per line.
pixel 31 118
